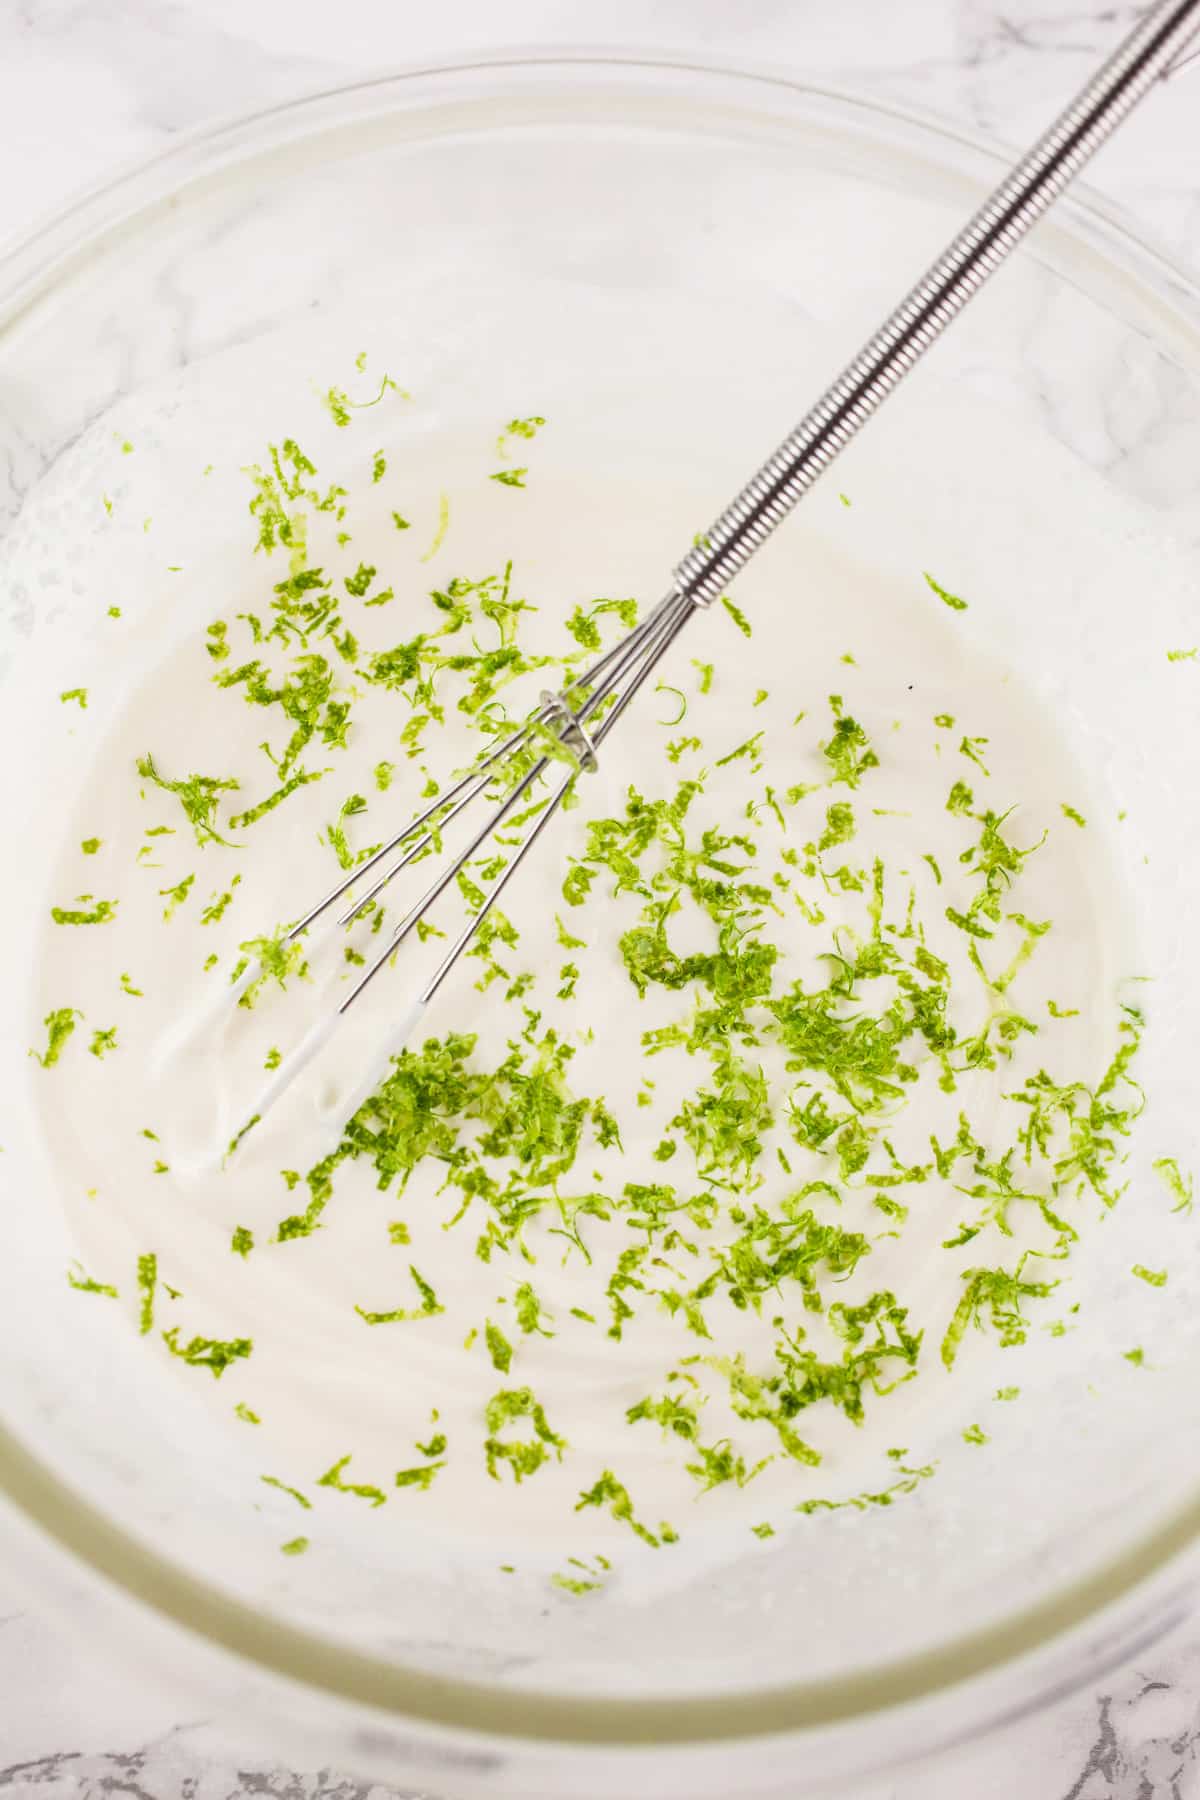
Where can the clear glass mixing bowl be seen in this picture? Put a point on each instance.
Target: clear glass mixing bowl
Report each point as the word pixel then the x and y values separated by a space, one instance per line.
pixel 865 1636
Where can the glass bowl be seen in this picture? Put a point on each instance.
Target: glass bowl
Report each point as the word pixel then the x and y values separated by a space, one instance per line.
pixel 792 218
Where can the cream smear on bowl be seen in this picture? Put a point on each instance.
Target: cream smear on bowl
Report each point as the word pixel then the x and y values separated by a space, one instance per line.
pixel 795 1067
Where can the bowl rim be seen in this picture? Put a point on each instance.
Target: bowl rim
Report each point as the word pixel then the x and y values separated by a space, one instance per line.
pixel 94 210
pixel 31 265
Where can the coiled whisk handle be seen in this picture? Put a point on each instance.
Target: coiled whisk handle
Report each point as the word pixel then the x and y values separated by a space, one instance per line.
pixel 1153 51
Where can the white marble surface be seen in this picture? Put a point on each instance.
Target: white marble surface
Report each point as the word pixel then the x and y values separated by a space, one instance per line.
pixel 88 84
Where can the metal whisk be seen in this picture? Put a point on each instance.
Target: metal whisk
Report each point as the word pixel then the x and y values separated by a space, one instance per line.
pixel 574 724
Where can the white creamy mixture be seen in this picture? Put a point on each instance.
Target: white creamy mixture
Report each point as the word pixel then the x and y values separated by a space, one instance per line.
pixel 315 1379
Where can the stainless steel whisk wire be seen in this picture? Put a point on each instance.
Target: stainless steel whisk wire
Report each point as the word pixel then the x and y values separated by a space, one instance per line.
pixel 1156 49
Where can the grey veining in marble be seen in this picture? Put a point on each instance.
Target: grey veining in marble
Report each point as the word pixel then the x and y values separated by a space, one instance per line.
pixel 1138 1739
pixel 87 84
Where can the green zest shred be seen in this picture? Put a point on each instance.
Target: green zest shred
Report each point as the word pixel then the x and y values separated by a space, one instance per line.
pixel 59 1026
pixel 213 1354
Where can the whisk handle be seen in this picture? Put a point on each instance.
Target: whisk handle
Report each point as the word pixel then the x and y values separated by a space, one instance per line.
pixel 1152 51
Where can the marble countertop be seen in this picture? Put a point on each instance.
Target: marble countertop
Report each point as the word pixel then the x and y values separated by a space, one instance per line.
pixel 88 84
